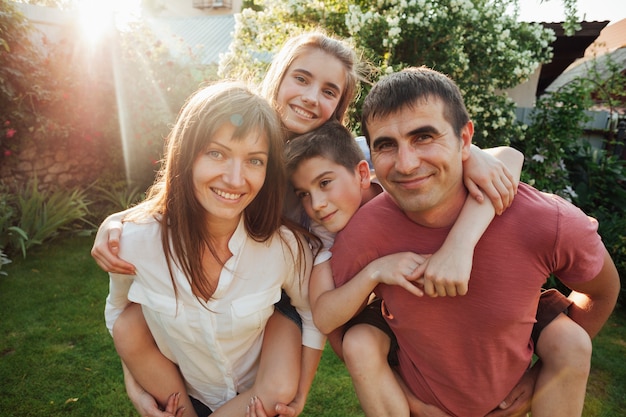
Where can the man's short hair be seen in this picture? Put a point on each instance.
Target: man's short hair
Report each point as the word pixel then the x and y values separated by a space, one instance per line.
pixel 409 88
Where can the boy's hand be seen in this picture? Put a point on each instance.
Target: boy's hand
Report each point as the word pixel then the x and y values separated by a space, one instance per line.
pixel 446 273
pixel 399 269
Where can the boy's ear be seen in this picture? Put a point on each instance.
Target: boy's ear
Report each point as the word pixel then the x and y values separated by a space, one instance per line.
pixel 363 171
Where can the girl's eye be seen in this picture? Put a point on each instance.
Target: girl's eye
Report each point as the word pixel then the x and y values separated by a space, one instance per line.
pixel 300 78
pixel 330 93
pixel 302 195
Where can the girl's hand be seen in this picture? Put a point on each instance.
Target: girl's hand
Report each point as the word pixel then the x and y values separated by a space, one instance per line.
pixel 484 173
pixel 106 246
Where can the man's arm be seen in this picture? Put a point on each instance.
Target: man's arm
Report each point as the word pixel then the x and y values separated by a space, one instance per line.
pixel 595 300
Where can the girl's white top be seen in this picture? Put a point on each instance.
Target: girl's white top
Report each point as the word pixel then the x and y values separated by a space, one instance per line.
pixel 217 343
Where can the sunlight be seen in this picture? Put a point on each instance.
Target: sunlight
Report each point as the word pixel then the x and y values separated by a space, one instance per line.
pixel 98 18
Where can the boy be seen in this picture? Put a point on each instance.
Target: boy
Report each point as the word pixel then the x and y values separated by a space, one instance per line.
pixel 332 180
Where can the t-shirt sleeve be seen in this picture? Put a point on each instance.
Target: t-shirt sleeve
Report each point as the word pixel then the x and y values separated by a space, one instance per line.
pixel 581 252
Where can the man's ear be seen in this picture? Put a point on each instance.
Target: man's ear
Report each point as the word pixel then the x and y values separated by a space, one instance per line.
pixel 467 132
pixel 363 171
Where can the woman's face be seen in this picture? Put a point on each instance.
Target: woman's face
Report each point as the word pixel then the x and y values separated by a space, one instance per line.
pixel 229 174
pixel 310 91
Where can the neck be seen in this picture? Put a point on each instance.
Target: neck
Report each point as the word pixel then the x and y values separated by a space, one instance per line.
pixel 442 215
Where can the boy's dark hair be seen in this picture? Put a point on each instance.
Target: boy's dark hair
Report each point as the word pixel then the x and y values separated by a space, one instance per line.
pixel 332 141
pixel 408 88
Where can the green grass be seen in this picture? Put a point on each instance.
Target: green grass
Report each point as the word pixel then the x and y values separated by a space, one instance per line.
pixel 57 358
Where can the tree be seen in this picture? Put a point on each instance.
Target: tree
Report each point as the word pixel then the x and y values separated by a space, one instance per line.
pixel 477 43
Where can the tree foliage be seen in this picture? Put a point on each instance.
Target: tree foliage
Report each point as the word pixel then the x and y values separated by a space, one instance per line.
pixel 481 46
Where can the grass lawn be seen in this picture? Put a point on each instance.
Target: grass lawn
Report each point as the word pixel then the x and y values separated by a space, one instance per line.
pixel 57 359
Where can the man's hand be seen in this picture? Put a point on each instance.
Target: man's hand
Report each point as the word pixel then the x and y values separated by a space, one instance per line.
pixel 517 403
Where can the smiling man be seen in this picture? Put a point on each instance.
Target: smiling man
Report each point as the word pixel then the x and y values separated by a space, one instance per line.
pixel 462 356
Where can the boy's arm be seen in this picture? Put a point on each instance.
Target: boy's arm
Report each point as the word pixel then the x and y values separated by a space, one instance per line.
pixel 447 271
pixel 333 307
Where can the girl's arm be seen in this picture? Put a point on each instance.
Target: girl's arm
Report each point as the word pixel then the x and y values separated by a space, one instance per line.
pixel 494 172
pixel 447 271
pixel 106 245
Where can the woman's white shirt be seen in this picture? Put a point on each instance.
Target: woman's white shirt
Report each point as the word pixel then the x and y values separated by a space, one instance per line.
pixel 216 344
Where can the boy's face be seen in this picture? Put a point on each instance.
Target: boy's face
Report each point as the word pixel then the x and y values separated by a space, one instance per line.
pixel 329 192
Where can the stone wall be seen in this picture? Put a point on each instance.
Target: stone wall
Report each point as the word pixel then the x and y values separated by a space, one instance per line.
pixel 67 167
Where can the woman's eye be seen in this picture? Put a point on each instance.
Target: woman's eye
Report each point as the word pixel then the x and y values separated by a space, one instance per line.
pixel 214 154
pixel 324 183
pixel 257 162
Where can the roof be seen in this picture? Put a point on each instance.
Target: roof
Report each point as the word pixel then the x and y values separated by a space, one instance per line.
pixel 207 36
pixel 567 49
pixel 581 70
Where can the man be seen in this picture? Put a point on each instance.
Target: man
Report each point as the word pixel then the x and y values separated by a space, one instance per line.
pixel 463 355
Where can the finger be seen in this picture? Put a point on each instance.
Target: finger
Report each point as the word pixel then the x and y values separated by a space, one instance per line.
pixel 412 288
pixel 114 239
pixel 429 288
pixel 474 191
pixel 284 410
pixel 461 289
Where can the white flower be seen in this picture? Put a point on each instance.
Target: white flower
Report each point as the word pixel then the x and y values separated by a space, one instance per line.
pixel 538 158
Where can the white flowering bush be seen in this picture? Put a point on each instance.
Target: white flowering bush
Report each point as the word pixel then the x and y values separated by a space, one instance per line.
pixel 476 42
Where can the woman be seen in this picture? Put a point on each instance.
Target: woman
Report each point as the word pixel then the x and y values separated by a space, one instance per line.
pixel 210 251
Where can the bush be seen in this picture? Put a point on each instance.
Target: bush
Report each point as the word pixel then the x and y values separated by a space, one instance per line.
pixel 44 213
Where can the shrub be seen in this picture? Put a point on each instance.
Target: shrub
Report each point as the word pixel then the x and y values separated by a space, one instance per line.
pixel 11 236
pixel 42 214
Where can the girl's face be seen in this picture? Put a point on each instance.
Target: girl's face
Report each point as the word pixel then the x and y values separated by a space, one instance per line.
pixel 229 174
pixel 310 91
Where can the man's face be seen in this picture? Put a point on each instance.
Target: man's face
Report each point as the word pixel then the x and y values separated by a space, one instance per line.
pixel 419 160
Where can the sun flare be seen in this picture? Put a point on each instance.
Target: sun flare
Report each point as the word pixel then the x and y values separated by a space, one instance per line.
pixel 98 18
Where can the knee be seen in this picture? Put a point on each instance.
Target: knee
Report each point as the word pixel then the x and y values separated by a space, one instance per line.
pixel 275 392
pixel 131 333
pixel 565 345
pixel 365 346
